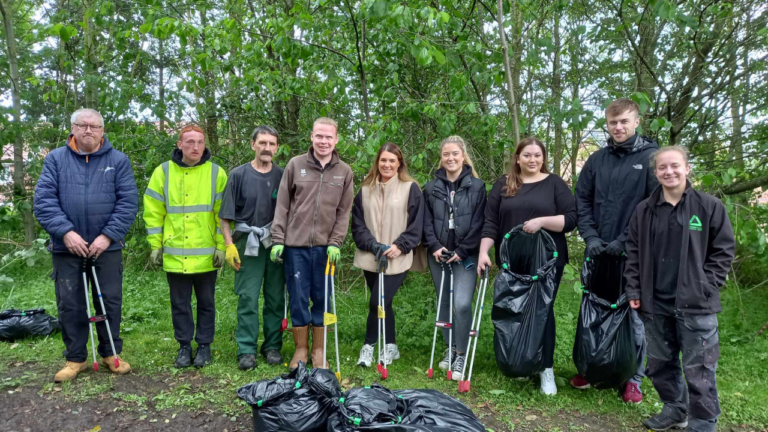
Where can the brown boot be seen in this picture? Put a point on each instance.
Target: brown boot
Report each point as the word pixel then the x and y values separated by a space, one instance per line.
pixel 70 371
pixel 317 347
pixel 302 346
pixel 122 368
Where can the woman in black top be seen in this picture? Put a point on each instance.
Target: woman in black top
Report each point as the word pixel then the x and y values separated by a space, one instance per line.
pixel 528 194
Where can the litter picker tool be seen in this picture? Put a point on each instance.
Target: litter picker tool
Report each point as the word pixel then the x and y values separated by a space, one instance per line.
pixel 284 324
pixel 443 324
pixel 474 332
pixel 84 263
pixel 330 318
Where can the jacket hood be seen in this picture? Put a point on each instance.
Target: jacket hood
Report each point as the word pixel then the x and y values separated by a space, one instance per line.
pixel 633 145
pixel 465 171
pixel 72 146
pixel 177 156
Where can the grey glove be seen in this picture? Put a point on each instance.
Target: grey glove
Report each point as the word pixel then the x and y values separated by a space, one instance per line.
pixel 381 260
pixel 595 246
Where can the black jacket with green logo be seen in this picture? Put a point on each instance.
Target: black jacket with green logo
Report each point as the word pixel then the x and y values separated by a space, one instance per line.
pixel 706 253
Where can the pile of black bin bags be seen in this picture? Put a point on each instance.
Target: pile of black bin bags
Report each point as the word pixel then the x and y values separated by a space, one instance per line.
pixel 312 401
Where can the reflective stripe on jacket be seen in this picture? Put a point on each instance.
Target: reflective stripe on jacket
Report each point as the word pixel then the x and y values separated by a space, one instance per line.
pixel 181 213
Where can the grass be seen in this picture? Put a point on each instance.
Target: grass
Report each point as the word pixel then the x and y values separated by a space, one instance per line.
pixel 150 348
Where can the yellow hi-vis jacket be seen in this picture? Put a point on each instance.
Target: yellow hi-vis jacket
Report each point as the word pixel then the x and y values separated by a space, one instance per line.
pixel 181 213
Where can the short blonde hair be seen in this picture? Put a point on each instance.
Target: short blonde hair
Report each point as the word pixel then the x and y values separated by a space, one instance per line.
pixel 326 121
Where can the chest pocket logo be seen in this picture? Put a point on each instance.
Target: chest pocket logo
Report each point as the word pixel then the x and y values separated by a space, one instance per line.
pixel 694 224
pixel 637 166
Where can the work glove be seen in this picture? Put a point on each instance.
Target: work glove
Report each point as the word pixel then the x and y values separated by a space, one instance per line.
pixel 219 257
pixel 615 248
pixel 447 255
pixel 377 249
pixel 277 253
pixel 381 261
pixel 334 254
pixel 156 258
pixel 595 246
pixel 233 258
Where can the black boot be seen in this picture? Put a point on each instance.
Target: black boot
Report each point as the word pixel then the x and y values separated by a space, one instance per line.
pixel 184 357
pixel 203 356
pixel 273 357
pixel 661 422
pixel 247 361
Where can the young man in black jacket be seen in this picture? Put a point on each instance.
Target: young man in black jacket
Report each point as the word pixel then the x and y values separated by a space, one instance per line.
pixel 679 250
pixel 611 184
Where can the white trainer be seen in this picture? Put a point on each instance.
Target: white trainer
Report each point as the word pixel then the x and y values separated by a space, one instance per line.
pixel 548 386
pixel 366 356
pixel 392 353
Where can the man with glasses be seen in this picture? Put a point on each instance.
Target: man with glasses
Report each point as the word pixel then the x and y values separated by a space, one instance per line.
pixel 181 213
pixel 86 200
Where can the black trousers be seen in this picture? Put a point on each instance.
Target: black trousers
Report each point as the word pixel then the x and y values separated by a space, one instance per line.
pixel 392 284
pixel 71 302
pixel 204 286
pixel 696 336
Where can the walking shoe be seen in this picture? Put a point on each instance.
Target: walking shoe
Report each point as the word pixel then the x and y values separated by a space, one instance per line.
pixel 458 367
pixel 579 382
pixel 662 423
pixel 247 361
pixel 392 353
pixel 548 386
pixel 184 357
pixel 632 394
pixel 273 357
pixel 70 371
pixel 123 366
pixel 366 356
pixel 444 362
pixel 202 356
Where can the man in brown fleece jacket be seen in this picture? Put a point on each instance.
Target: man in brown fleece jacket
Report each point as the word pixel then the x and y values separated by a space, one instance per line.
pixel 311 220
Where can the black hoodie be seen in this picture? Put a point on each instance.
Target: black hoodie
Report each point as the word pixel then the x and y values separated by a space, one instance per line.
pixel 469 205
pixel 177 156
pixel 611 184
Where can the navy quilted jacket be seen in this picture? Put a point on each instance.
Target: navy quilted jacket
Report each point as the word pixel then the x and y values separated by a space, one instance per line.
pixel 91 194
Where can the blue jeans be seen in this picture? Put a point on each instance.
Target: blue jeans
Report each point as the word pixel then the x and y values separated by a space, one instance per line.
pixel 305 280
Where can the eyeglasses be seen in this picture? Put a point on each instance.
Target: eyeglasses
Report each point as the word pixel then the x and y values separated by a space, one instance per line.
pixel 83 127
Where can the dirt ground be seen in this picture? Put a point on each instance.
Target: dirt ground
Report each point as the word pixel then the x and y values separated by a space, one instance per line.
pixel 30 403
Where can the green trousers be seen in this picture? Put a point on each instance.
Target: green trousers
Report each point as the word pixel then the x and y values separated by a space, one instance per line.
pixel 248 280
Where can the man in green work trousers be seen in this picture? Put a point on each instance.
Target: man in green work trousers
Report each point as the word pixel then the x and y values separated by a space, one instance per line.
pixel 249 201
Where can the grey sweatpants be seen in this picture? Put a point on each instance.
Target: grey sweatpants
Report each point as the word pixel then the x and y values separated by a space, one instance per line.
pixel 464 281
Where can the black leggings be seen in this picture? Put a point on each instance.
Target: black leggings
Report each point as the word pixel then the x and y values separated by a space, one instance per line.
pixel 392 283
pixel 549 332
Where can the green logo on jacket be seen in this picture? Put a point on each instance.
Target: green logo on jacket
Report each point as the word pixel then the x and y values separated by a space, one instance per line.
pixel 274 194
pixel 694 224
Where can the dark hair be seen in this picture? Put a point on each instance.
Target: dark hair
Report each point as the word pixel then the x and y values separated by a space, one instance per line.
pixel 620 106
pixel 264 129
pixel 514 181
pixel 402 170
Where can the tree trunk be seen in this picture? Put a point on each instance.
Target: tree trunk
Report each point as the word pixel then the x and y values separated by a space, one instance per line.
pixel 360 63
pixel 19 189
pixel 557 153
pixel 91 62
pixel 161 84
pixel 210 112
pixel 508 71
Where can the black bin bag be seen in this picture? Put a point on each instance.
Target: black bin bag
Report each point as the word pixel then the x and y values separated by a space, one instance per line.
pixel 296 402
pixel 17 324
pixel 375 408
pixel 604 351
pixel 522 301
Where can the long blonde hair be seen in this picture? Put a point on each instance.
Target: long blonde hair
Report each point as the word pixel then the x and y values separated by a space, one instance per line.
pixel 459 141
pixel 402 171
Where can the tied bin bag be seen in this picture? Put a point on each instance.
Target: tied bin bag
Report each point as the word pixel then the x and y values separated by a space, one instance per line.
pixel 299 401
pixel 17 324
pixel 605 352
pixel 522 301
